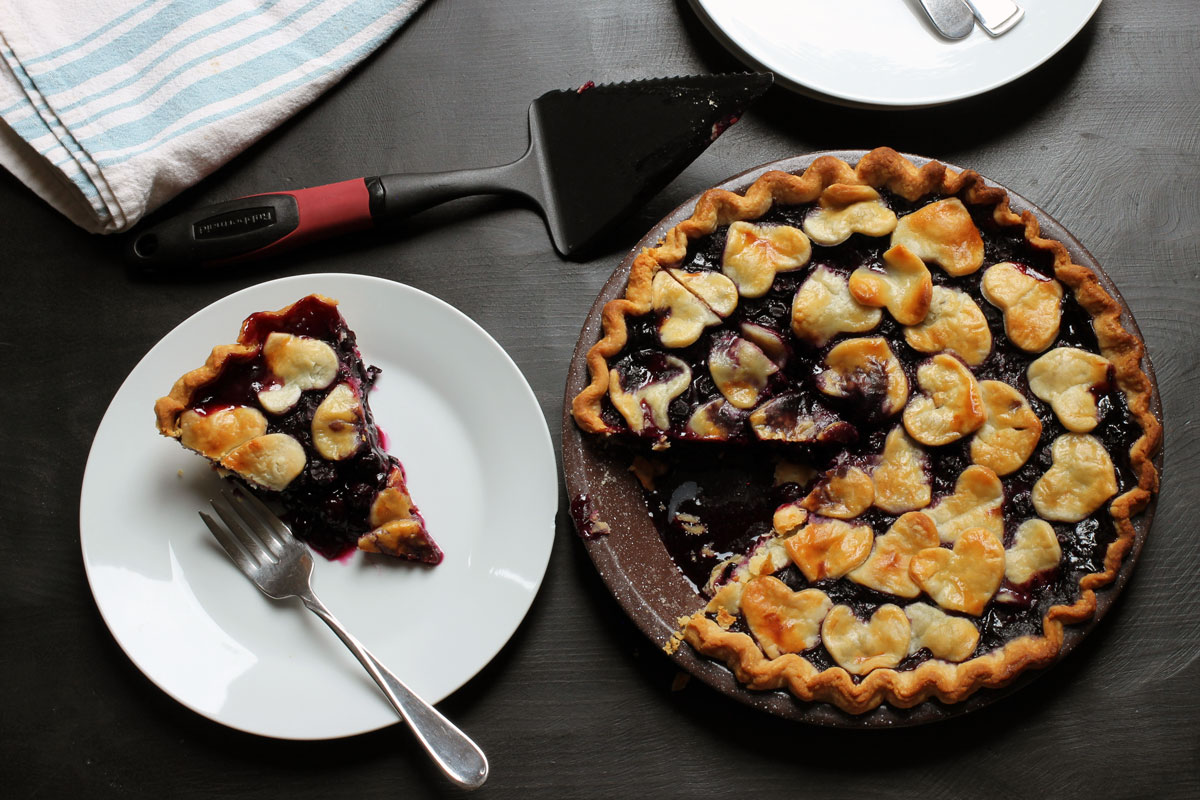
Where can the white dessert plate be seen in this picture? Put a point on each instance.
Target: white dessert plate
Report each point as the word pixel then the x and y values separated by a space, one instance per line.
pixel 204 634
pixel 885 53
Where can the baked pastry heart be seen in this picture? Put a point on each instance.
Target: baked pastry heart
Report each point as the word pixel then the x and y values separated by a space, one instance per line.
pixel 1009 434
pixel 846 209
pixel 943 233
pixel 781 620
pixel 869 433
pixel 945 637
pixel 976 502
pixel 1070 379
pixel 903 285
pixel 860 646
pixel 1030 303
pixel 828 548
pixel 963 579
pixel 901 476
pixel 950 405
pixel 887 568
pixel 1035 550
pixel 955 324
pixel 285 410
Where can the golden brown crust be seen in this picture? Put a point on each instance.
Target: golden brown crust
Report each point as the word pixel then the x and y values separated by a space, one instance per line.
pixel 949 682
pixel 167 409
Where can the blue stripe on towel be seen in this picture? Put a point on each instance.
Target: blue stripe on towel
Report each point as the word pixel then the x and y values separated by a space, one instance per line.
pixel 348 59
pixel 28 129
pixel 213 89
pixel 176 47
pixel 118 51
pixel 202 59
pixel 93 35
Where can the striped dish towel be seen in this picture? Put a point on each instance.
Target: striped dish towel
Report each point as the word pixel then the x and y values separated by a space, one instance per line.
pixel 112 107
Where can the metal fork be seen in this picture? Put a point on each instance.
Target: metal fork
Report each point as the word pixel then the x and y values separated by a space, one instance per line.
pixel 263 547
pixel 997 17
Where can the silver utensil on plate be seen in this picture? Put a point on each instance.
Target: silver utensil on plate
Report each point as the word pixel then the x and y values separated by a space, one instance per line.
pixel 996 16
pixel 262 546
pixel 951 18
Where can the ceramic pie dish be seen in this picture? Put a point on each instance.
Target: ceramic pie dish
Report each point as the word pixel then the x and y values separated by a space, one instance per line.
pixel 861 438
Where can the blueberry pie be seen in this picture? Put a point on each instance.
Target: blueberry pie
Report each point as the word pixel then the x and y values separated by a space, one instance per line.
pixel 285 410
pixel 892 435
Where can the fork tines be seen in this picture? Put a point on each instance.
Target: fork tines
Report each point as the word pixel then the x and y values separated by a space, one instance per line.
pixel 252 534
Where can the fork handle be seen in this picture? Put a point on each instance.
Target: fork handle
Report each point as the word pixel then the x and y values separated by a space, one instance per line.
pixel 459 758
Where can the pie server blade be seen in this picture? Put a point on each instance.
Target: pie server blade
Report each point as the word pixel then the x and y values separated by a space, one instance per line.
pixel 595 154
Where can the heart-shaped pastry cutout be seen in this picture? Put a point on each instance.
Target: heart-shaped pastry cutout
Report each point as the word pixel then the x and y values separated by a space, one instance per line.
pixel 740 369
pixel 217 432
pixel 781 620
pixel 682 314
pixel 1011 432
pixel 1080 479
pixel 902 476
pixel 844 493
pixel 954 324
pixel 653 386
pixel 866 372
pixel 945 637
pixel 336 424
pixel 845 209
pixel 976 503
pixel 829 548
pixel 298 363
pixel 788 518
pixel 1031 304
pixel 964 579
pixel 886 569
pixel 859 647
pixel 1035 549
pixel 904 287
pixel 271 461
pixel 754 253
pixel 949 406
pixel 823 307
pixel 942 233
pixel 1069 379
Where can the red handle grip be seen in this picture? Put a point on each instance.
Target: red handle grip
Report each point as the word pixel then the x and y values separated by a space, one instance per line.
pixel 324 211
pixel 254 226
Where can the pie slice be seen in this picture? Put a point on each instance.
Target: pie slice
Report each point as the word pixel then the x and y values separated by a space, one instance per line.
pixel 285 409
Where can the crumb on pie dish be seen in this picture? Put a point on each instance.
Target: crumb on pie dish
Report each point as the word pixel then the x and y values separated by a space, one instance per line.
pixel 894 437
pixel 285 410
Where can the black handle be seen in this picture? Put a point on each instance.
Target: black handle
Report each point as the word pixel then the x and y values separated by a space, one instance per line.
pixel 217 232
pixel 267 224
pixel 400 195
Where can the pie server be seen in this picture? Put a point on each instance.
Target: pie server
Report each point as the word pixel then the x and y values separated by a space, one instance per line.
pixel 595 153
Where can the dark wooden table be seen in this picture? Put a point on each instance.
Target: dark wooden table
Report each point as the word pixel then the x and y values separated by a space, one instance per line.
pixel 1105 137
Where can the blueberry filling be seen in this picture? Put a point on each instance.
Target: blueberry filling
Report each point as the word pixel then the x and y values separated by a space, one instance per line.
pixel 712 504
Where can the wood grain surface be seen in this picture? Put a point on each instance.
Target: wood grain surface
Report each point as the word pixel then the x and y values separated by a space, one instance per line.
pixel 1105 137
